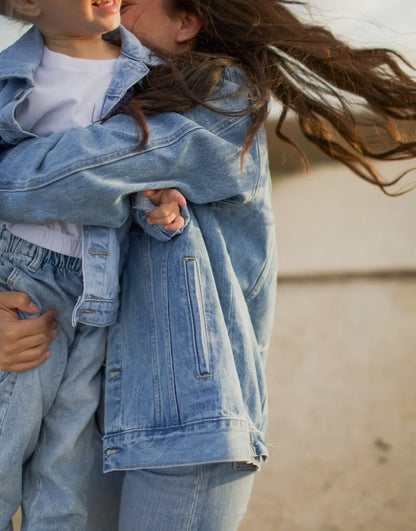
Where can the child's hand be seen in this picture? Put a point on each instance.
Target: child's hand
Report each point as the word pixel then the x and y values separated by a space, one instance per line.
pixel 23 342
pixel 168 213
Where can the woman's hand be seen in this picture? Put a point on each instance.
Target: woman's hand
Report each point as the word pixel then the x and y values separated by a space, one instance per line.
pixel 23 342
pixel 168 213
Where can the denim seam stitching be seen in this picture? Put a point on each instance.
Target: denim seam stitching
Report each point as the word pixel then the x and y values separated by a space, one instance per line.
pixel 107 159
pixel 200 373
pixel 195 497
pixel 262 275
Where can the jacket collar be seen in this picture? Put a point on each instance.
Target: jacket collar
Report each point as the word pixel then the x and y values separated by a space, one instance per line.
pixel 133 65
pixel 131 47
pixel 23 57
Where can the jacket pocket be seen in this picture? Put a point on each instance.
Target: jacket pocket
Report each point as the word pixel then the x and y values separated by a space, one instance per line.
pixel 197 319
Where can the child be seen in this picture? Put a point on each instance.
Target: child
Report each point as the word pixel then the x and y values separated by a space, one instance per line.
pixel 61 74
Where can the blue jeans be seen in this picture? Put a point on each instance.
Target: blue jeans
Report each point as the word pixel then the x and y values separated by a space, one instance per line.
pixel 210 497
pixel 46 414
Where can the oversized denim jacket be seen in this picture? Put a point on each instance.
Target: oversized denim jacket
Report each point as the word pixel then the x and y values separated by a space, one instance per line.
pixel 184 376
pixel 101 253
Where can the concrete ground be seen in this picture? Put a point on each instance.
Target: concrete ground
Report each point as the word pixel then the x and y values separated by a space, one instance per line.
pixel 342 365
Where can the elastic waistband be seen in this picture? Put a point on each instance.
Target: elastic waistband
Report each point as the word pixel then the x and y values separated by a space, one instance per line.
pixel 9 243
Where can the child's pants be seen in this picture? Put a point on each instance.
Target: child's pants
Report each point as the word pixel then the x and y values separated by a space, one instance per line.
pixel 46 414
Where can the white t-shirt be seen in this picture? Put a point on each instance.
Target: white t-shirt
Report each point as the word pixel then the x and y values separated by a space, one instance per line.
pixel 68 92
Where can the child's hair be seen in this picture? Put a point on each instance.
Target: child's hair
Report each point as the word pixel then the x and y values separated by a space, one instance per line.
pixel 7 10
pixel 348 101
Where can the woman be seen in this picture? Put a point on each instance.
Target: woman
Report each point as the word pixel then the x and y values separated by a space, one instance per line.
pixel 184 387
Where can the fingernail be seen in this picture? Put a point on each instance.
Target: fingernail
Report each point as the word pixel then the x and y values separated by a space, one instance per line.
pixel 33 307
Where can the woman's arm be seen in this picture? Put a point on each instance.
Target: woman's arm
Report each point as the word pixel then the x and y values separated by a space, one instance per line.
pixel 86 175
pixel 23 343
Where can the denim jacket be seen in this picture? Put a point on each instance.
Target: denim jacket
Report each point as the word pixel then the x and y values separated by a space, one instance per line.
pixel 102 246
pixel 184 377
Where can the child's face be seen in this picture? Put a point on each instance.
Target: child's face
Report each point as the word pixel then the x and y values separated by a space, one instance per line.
pixel 77 18
pixel 150 22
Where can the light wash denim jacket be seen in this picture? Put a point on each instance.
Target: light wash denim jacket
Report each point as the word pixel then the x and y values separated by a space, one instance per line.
pixel 98 305
pixel 184 378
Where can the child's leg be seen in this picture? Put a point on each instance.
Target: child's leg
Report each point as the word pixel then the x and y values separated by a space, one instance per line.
pixel 27 399
pixel 56 477
pixel 20 410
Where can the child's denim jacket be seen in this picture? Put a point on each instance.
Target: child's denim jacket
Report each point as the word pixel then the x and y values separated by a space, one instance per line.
pixel 184 378
pixel 99 302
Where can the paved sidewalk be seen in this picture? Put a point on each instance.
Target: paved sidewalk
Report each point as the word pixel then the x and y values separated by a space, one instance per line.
pixel 342 366
pixel 329 220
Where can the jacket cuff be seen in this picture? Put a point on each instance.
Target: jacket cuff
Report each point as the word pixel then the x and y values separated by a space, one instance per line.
pixel 142 206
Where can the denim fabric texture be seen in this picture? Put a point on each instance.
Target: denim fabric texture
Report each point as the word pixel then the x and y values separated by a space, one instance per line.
pixel 98 303
pixel 184 381
pixel 47 414
pixel 211 497
pixel 200 497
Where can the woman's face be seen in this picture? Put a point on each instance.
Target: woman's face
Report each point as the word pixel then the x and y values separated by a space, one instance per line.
pixel 150 22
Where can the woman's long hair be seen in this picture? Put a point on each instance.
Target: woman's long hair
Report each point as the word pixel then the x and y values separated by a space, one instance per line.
pixel 7 10
pixel 349 102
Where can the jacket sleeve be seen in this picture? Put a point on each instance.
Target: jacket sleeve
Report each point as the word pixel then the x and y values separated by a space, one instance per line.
pixel 86 175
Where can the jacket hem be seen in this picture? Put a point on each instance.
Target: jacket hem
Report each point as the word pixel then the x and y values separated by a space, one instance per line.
pixel 209 441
